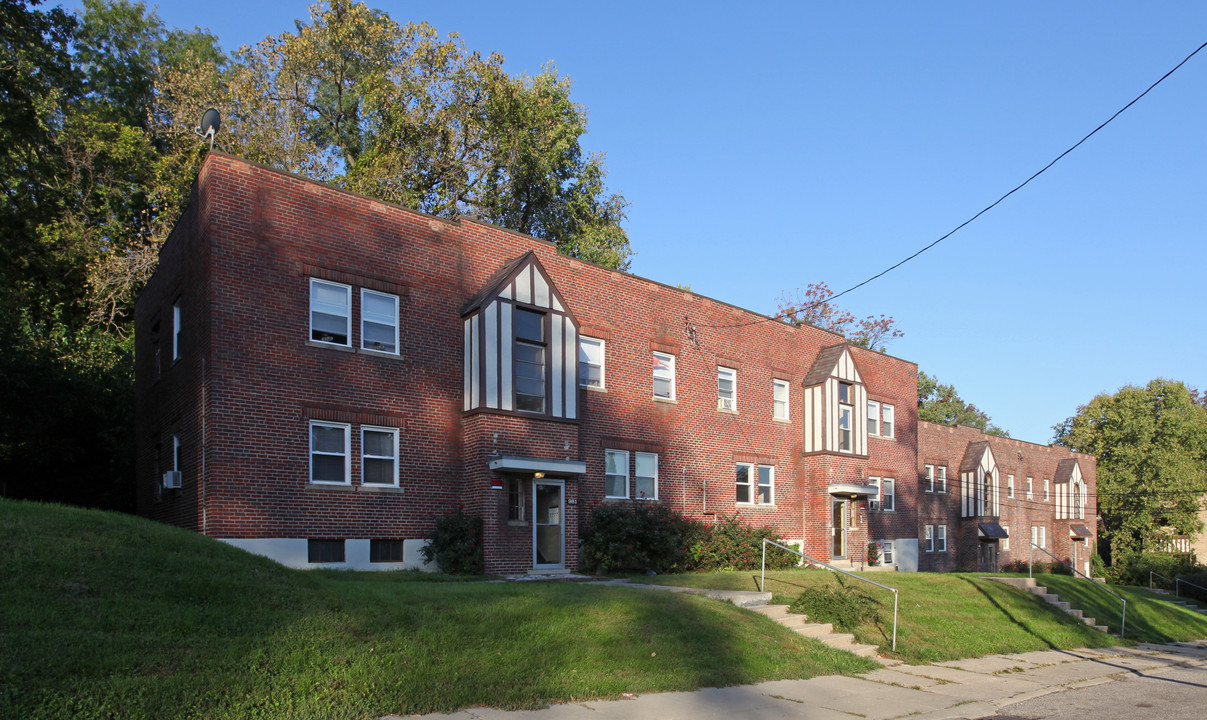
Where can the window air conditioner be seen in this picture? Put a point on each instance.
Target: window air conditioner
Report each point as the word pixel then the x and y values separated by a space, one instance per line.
pixel 725 403
pixel 873 504
pixel 171 480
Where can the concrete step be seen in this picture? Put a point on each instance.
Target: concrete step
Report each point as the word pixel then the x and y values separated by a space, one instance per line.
pixel 1016 582
pixel 1076 613
pixel 1060 604
pixel 1051 598
pixel 815 630
pixel 838 641
pixel 1089 621
pixel 772 611
pixel 793 621
pixel 820 631
pixel 862 650
pixel 1102 628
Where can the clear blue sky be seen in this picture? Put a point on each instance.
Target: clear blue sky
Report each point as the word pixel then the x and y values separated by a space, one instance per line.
pixel 767 145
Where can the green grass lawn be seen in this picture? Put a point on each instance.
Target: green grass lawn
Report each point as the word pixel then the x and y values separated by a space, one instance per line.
pixel 1150 617
pixel 105 615
pixel 941 616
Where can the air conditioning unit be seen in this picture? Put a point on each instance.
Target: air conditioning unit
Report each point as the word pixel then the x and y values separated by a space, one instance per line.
pixel 725 403
pixel 873 504
pixel 171 480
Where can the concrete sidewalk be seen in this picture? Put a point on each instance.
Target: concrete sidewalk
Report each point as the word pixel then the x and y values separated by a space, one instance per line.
pixel 959 689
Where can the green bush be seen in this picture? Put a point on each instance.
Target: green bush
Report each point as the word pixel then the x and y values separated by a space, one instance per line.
pixel 456 544
pixel 843 605
pixel 873 553
pixel 645 536
pixel 1198 593
pixel 1134 568
pixel 731 544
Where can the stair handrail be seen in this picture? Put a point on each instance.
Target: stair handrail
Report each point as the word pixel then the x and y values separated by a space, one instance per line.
pixel 763 579
pixel 1177 587
pixel 1031 551
pixel 1150 578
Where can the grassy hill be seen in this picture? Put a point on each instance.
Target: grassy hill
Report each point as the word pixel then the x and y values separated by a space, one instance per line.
pixel 106 615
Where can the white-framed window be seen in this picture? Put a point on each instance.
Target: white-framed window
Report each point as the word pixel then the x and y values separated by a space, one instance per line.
pixel 529 360
pixel 940 538
pixel 378 455
pixel 329 457
pixel 875 482
pixel 886 552
pixel 928 538
pixel 1043 536
pixel 928 484
pixel 378 321
pixel 1005 542
pixel 1047 496
pixel 755 484
pixel 727 389
pixel 779 399
pixel 1030 487
pixel 591 360
pixel 616 473
pixel 880 419
pixel 176 330
pixel 1009 486
pixel 888 494
pixel 177 463
pixel 940 479
pixel 330 312
pixel 664 375
pixel 645 477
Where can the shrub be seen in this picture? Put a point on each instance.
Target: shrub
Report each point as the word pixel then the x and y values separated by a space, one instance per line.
pixel 1134 568
pixel 873 553
pixel 843 605
pixel 456 544
pixel 635 536
pixel 731 544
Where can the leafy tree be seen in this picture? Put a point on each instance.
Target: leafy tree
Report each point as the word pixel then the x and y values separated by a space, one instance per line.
pixel 940 403
pixel 811 305
pixel 1151 444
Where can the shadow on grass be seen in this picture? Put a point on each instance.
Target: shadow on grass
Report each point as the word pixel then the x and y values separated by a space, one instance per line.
pixel 1006 613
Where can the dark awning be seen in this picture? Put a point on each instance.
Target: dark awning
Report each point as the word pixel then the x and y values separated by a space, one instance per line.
pixel 1080 531
pixel 992 531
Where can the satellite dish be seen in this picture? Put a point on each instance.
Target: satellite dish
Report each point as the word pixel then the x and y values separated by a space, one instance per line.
pixel 210 122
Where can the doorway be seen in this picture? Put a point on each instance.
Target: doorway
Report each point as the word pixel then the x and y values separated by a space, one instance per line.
pixel 548 524
pixel 839 523
pixel 987 556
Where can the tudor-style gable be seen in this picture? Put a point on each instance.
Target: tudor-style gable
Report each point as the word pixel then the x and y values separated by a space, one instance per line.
pixel 521 345
pixel 978 481
pixel 1070 490
pixel 836 403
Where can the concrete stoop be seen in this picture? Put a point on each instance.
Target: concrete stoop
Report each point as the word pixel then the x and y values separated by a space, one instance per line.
pixel 1031 586
pixel 821 631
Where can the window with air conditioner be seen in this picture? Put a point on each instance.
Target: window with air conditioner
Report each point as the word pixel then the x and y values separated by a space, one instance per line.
pixel 727 393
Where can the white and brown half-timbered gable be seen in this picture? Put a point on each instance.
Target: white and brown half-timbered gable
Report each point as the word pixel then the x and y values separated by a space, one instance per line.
pixel 521 345
pixel 978 481
pixel 836 403
pixel 1070 490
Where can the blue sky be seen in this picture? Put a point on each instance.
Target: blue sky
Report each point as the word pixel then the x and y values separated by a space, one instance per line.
pixel 767 145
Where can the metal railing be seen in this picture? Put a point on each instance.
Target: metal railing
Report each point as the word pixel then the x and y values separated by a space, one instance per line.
pixel 1150 578
pixel 763 579
pixel 1177 587
pixel 1030 553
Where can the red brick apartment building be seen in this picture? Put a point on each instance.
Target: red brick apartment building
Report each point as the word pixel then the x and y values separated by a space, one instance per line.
pixel 982 501
pixel 321 375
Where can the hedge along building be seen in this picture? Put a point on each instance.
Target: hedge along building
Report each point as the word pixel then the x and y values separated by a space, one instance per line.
pixel 321 375
pixel 983 499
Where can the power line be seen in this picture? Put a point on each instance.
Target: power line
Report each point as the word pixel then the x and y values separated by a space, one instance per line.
pixel 987 208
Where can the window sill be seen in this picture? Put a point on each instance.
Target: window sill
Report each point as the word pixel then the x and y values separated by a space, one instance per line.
pixel 389 489
pixel 346 487
pixel 592 388
pixel 881 437
pixel 727 412
pixel 757 506
pixel 517 523
pixel 380 354
pixel 785 421
pixel 330 346
pixel 668 401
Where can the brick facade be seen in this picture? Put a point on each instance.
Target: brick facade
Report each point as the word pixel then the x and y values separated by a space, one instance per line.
pixel 950 447
pixel 251 379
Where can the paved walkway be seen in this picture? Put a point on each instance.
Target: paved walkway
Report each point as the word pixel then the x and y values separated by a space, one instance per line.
pixel 969 688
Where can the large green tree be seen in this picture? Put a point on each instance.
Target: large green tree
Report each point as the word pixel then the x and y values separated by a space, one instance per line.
pixel 941 403
pixel 1151 444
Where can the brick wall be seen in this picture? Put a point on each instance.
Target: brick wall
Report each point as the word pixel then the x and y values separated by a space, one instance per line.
pixel 242 256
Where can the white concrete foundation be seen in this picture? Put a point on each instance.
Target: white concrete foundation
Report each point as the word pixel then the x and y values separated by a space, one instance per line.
pixel 293 552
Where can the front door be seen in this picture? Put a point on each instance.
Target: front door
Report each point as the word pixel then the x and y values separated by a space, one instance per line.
pixel 840 530
pixel 987 557
pixel 548 526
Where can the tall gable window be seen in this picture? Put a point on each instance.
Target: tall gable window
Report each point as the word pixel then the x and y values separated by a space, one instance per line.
pixel 845 413
pixel 379 322
pixel 664 376
pixel 591 362
pixel 521 346
pixel 529 360
pixel 727 393
pixel 330 312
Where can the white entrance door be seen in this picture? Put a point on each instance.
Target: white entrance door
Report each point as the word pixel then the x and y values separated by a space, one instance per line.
pixel 548 524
